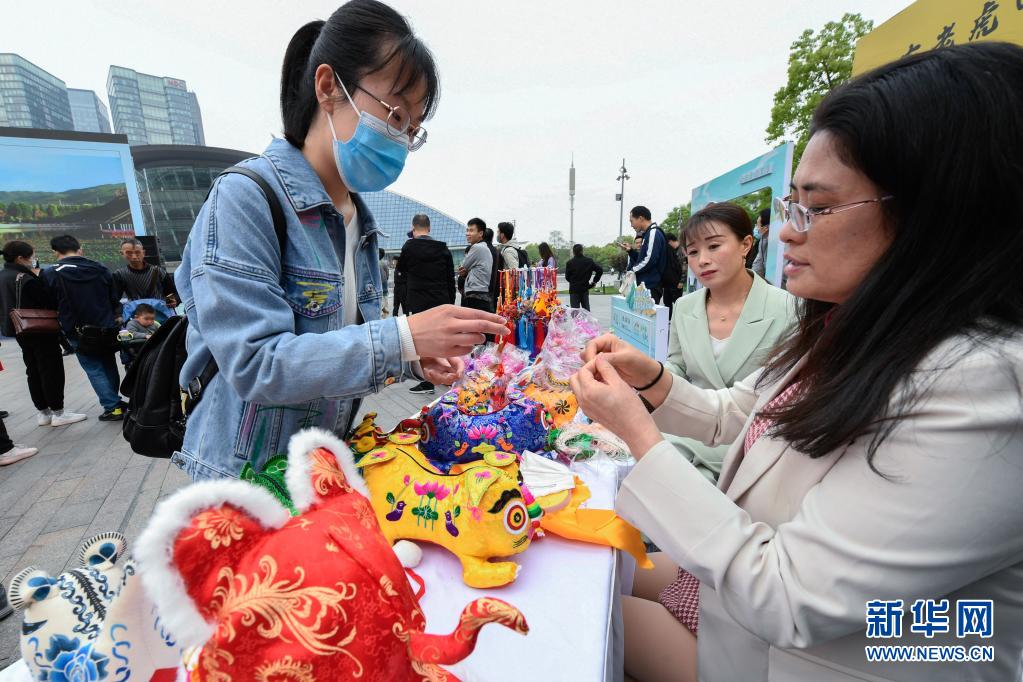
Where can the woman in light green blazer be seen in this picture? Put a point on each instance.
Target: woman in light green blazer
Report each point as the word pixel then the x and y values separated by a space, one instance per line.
pixel 748 317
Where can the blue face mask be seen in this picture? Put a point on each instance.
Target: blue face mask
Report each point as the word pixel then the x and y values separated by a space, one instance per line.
pixel 372 159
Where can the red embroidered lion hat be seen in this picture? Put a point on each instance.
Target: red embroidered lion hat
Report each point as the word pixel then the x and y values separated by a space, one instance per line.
pixel 316 596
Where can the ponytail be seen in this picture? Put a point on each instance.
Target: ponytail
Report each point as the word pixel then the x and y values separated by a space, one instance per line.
pixel 297 98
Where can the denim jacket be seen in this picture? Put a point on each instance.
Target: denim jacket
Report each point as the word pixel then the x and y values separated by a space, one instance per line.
pixel 286 362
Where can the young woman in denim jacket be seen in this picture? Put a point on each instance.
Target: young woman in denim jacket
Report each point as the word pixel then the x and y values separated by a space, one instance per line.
pixel 299 343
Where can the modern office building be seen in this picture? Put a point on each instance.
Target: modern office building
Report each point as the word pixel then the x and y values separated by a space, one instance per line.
pixel 173 182
pixel 31 97
pixel 88 112
pixel 153 110
pixel 193 102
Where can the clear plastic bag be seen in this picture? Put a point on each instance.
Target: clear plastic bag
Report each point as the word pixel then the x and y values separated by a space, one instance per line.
pixel 489 370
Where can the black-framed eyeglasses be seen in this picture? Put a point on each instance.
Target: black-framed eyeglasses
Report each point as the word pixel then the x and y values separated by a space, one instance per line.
pixel 398 127
pixel 800 216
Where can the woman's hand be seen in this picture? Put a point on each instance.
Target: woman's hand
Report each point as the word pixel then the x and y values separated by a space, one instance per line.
pixel 450 331
pixel 634 368
pixel 607 399
pixel 443 371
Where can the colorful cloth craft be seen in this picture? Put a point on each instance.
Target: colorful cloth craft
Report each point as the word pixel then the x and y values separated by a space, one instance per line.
pixel 317 596
pixel 478 511
pixel 526 300
pixel 94 622
pixel 483 408
pixel 460 438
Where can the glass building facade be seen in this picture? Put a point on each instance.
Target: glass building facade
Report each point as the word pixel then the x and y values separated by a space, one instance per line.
pixel 393 213
pixel 88 112
pixel 30 97
pixel 152 109
pixel 174 180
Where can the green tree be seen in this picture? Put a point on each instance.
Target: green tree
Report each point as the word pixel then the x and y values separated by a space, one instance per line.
pixel 12 210
pixel 677 218
pixel 817 63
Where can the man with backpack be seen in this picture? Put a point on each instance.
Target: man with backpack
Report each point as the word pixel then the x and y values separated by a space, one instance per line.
pixel 89 315
pixel 430 276
pixel 512 255
pixel 653 254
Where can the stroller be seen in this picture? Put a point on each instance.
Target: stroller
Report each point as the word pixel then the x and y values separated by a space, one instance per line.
pixel 131 343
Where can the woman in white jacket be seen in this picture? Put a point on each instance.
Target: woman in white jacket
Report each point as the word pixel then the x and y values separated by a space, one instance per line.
pixel 872 489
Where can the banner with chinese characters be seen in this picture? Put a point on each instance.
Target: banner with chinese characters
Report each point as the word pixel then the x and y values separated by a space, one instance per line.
pixel 934 24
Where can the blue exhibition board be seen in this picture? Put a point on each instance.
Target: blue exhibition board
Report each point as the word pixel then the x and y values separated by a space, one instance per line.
pixel 649 333
pixel 772 170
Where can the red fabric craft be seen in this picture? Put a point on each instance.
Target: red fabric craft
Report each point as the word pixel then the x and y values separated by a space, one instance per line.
pixel 323 597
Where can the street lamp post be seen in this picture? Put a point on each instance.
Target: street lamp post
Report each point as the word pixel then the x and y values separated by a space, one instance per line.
pixel 571 202
pixel 622 177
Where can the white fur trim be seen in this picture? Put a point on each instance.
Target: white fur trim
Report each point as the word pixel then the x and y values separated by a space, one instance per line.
pixel 297 475
pixel 154 550
pixel 408 553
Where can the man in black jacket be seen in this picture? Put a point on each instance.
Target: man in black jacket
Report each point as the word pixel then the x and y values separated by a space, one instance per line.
pixel 578 271
pixel 86 304
pixel 429 276
pixel 674 272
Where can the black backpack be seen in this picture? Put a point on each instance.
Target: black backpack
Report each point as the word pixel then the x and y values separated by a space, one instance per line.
pixel 523 256
pixel 154 424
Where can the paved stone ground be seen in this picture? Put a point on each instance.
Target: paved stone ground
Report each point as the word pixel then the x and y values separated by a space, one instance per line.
pixel 85 480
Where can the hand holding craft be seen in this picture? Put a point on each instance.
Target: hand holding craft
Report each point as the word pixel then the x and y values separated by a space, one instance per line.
pixel 607 399
pixel 449 331
pixel 443 371
pixel 634 368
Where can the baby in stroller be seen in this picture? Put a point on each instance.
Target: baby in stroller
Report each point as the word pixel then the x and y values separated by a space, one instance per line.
pixel 140 327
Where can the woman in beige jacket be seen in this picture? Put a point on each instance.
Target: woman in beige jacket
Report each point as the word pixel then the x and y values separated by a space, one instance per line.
pixel 871 492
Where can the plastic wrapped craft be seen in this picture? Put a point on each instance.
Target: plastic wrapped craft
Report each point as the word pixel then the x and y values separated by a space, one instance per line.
pixel 484 409
pixel 547 381
pixel 578 442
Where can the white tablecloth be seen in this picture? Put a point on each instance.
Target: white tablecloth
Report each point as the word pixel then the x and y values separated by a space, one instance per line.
pixel 568 592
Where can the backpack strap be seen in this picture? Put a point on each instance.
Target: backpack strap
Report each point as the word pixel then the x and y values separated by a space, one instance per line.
pixel 193 392
pixel 276 211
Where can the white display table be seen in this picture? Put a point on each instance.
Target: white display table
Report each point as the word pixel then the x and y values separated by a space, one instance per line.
pixel 567 590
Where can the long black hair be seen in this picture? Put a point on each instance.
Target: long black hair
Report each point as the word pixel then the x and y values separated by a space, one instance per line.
pixel 939 131
pixel 361 37
pixel 547 253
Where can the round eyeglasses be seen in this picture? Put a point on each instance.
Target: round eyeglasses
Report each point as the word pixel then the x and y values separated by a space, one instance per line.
pixel 800 216
pixel 398 124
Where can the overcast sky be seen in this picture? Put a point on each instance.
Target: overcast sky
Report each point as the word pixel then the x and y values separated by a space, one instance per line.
pixel 682 90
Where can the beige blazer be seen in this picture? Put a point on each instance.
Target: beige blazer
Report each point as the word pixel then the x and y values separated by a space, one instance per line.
pixel 768 316
pixel 789 549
